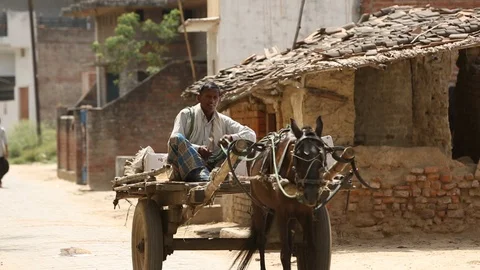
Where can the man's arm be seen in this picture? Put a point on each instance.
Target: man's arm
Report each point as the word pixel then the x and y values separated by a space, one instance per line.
pixel 6 151
pixel 181 121
pixel 239 131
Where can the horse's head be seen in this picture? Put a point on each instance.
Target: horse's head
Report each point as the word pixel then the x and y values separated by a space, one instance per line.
pixel 309 161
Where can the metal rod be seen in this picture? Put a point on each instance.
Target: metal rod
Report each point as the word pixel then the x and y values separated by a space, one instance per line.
pixel 186 40
pixel 298 24
pixel 35 79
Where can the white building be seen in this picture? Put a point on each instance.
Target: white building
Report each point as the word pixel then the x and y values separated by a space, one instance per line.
pixel 17 91
pixel 237 29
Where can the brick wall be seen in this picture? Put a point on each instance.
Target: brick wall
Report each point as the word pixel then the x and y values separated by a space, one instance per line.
pixel 250 114
pixel 428 192
pixel 63 54
pixel 419 189
pixel 375 5
pixel 142 117
pixel 66 147
pixel 62 143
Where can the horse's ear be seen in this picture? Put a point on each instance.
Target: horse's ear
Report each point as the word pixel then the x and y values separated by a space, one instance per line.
pixel 319 128
pixel 295 129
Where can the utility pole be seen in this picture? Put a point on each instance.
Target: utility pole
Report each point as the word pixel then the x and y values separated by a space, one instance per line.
pixel 186 40
pixel 298 24
pixel 35 80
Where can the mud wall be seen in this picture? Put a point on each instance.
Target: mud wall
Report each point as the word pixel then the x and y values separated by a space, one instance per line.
pixel 383 104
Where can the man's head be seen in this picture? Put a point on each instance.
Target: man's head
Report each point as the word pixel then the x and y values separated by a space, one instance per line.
pixel 208 96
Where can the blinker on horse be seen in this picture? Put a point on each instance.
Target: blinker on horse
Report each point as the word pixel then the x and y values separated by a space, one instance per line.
pixel 309 161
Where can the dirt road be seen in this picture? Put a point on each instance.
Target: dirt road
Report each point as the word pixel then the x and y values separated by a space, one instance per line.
pixel 46 223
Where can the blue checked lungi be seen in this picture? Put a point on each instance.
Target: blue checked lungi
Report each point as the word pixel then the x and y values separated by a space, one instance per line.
pixel 183 157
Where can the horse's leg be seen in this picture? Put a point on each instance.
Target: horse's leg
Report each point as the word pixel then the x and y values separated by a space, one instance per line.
pixel 262 223
pixel 256 240
pixel 306 221
pixel 285 227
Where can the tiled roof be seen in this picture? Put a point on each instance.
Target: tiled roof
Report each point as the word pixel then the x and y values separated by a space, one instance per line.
pixel 85 5
pixel 393 33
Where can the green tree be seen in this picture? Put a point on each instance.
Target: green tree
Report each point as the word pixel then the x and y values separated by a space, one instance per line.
pixel 137 43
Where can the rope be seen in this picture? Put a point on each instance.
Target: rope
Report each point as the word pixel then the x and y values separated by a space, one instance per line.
pixel 276 173
pixel 234 175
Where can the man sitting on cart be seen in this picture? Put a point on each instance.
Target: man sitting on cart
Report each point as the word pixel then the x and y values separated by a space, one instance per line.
pixel 194 144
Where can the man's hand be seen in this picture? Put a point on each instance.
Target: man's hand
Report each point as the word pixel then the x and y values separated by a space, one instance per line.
pixel 204 152
pixel 225 140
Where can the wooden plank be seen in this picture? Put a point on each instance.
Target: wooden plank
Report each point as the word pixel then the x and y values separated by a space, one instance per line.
pixel 172 186
pixel 215 244
pixel 139 177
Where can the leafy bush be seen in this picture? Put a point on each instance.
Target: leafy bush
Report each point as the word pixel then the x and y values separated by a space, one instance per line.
pixel 23 144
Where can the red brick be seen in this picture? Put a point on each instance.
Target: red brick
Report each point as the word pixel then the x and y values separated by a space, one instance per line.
pixel 416 171
pixel 428 184
pixel 421 178
pixel 446 178
pixel 441 192
pixel 388 200
pixel 433 176
pixel 410 178
pixel 416 191
pixel 377 201
pixel 379 207
pixel 401 200
pixel 453 206
pixel 441 213
pixel 431 169
pixel 449 186
pixel 436 185
pixel 401 193
pixel 454 192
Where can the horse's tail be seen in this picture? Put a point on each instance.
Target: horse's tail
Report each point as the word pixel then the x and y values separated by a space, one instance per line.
pixel 245 255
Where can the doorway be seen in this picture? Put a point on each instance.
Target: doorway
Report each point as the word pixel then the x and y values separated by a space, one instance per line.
pixel 464 112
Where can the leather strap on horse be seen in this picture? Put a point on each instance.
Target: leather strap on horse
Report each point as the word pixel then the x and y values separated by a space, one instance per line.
pixel 283 148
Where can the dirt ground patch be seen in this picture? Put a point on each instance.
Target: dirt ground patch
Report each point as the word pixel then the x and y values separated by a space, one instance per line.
pixel 89 209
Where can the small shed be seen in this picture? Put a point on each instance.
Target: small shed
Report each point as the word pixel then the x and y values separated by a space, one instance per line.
pixel 401 85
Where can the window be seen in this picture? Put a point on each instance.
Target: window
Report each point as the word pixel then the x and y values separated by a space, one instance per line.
pixel 7 86
pixel 141 14
pixel 187 13
pixel 3 24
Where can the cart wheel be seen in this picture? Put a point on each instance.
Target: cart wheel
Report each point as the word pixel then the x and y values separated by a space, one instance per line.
pixel 147 236
pixel 323 242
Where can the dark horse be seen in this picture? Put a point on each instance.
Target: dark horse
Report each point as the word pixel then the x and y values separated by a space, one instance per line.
pixel 300 157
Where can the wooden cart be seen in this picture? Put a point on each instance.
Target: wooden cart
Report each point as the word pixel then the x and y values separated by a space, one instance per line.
pixel 163 206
